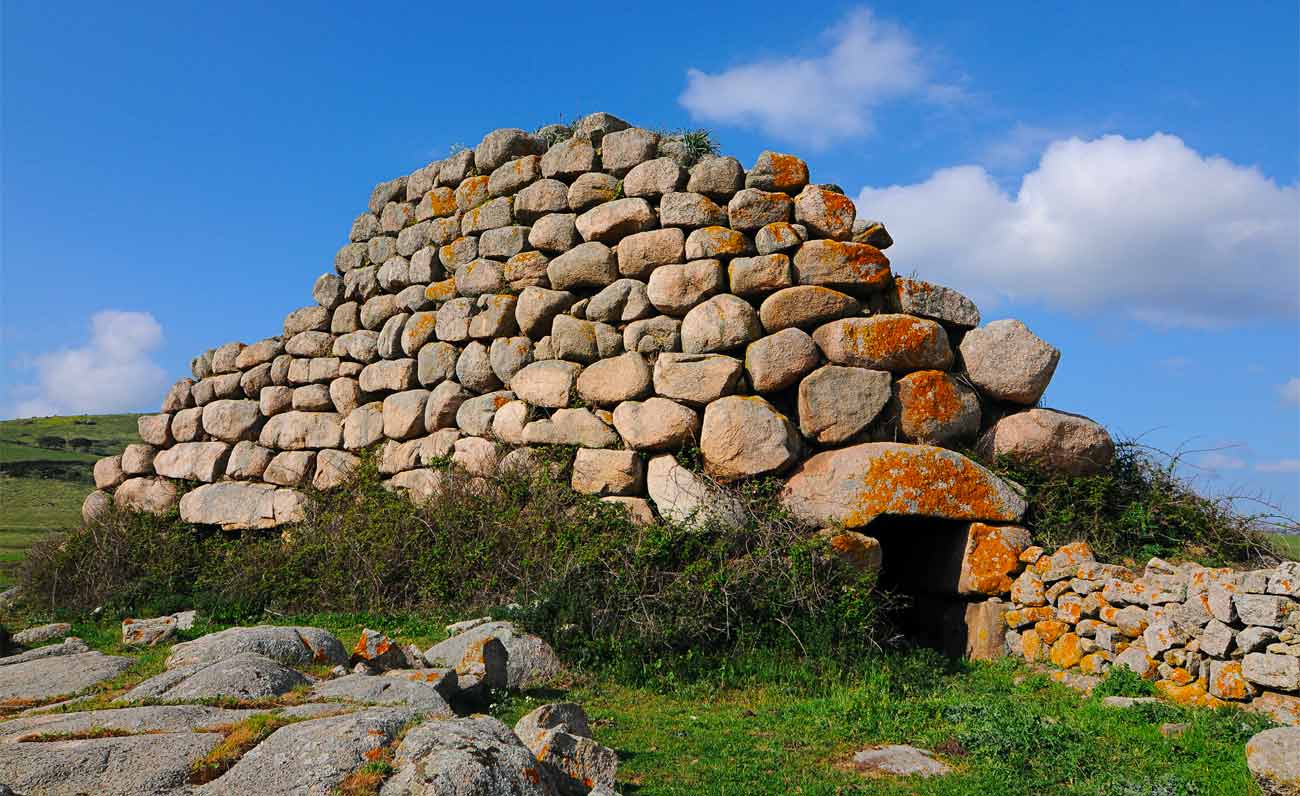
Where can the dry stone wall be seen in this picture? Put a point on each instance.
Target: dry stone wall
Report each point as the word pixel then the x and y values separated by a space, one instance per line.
pixel 596 286
pixel 1205 635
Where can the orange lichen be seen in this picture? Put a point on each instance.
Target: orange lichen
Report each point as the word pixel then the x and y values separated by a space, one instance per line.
pixel 723 240
pixel 788 171
pixel 867 264
pixel 1193 694
pixel 1019 617
pixel 929 399
pixel 1230 683
pixel 862 552
pixel 991 559
pixel 1093 663
pixel 442 202
pixel 890 341
pixel 1032 647
pixel 441 291
pixel 471 193
pixel 1049 630
pixel 422 323
pixel 840 208
pixel 783 234
pixel 1031 554
pixel 1070 612
pixel 926 482
pixel 1065 652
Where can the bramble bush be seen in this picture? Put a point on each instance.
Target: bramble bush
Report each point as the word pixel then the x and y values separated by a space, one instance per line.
pixel 1141 507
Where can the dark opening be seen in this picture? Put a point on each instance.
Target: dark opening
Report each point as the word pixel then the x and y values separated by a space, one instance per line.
pixel 922 561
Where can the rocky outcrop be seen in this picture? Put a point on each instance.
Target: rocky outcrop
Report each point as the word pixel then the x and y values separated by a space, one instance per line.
pixel 298 730
pixel 595 287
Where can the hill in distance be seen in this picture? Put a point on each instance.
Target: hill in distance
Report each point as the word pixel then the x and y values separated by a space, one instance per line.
pixel 45 473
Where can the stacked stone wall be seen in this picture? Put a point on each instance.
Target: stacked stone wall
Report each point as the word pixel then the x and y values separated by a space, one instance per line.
pixel 1204 635
pixel 597 286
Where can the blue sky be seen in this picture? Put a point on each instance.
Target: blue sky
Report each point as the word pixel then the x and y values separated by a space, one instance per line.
pixel 1122 177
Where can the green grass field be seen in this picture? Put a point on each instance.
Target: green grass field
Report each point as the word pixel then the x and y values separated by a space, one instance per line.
pixel 45 473
pixel 1290 542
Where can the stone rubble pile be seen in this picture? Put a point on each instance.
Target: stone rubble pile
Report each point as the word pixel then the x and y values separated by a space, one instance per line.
pixel 1204 635
pixel 595 287
pixel 381 702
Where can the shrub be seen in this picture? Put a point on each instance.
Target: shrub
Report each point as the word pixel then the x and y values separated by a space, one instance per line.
pixel 577 569
pixel 1123 681
pixel 1138 508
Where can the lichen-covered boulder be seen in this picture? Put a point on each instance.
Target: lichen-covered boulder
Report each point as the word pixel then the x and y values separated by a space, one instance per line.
pixel 936 409
pixel 530 661
pixel 852 486
pixel 898 343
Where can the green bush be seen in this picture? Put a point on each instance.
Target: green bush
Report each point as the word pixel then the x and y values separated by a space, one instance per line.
pixel 572 567
pixel 1139 508
pixel 1123 681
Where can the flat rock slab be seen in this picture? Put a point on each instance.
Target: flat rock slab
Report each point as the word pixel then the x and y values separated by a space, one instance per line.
pixel 244 676
pixel 134 765
pixel 900 761
pixel 310 757
pixel 291 646
pixel 70 646
pixel 1127 702
pixel 477 755
pixel 418 696
pixel 530 661
pixel 58 675
pixel 41 633
pixel 153 719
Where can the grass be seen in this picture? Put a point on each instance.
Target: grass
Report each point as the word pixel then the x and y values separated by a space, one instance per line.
pixel 239 738
pixel 1003 732
pixel 45 473
pixel 1289 543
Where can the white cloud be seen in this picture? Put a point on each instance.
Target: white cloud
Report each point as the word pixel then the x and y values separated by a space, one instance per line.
pixel 820 99
pixel 1217 462
pixel 1290 391
pixel 1148 227
pixel 113 372
pixel 1280 466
